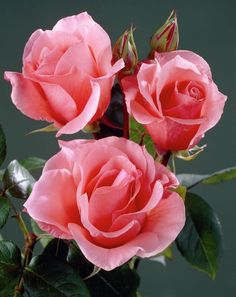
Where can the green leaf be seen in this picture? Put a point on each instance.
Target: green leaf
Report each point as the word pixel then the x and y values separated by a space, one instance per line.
pixel 45 238
pixel 3 146
pixel 1 238
pixel 47 276
pixel 4 211
pixel 139 135
pixel 10 267
pixel 18 181
pixel 191 180
pixel 32 163
pixel 120 282
pixel 201 240
pixel 220 176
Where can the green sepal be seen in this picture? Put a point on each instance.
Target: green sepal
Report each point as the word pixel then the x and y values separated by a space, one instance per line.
pixel 47 129
pixel 191 154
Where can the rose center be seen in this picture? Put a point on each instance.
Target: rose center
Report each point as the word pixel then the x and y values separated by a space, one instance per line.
pixel 195 91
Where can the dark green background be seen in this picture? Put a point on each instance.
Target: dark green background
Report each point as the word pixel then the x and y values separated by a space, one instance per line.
pixel 206 27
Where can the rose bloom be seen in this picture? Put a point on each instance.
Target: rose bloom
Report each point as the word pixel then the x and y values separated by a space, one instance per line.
pixel 175 98
pixel 67 74
pixel 111 197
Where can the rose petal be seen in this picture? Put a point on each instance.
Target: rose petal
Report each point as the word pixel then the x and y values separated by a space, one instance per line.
pixel 105 200
pixel 86 28
pixel 165 223
pixel 50 204
pixel 27 97
pixel 201 64
pixel 111 238
pixel 145 244
pixel 30 42
pixel 212 109
pixel 179 69
pixel 147 80
pixel 85 116
pixel 47 66
pixel 136 103
pixel 50 40
pixel 62 160
pixel 165 176
pixel 122 217
pixel 60 102
pixel 168 134
pixel 79 56
pixel 105 258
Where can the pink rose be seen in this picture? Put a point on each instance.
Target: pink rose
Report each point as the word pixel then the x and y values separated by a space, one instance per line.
pixel 67 74
pixel 111 197
pixel 175 98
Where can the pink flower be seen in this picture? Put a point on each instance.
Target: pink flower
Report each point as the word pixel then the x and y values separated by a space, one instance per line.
pixel 111 197
pixel 175 98
pixel 67 74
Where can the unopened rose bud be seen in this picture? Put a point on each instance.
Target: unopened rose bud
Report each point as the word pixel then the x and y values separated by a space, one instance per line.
pixel 125 48
pixel 166 38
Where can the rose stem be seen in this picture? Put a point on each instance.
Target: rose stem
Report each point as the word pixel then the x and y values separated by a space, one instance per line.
pixel 96 135
pixel 165 158
pixel 125 119
pixel 30 240
pixel 173 164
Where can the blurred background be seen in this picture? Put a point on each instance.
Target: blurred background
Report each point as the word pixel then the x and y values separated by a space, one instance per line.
pixel 206 27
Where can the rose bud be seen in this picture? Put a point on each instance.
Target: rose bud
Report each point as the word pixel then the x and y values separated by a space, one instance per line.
pixel 125 48
pixel 67 74
pixel 166 38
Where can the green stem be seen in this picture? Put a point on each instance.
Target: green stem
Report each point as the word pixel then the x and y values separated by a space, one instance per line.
pixel 30 240
pixel 27 255
pixel 125 119
pixel 173 164
pixel 19 218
